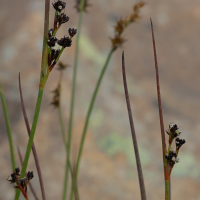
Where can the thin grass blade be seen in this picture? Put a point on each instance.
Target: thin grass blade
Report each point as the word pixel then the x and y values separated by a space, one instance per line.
pixel 164 149
pixel 8 128
pixel 135 145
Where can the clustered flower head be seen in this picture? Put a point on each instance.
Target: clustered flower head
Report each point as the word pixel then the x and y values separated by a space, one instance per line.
pixel 56 46
pixel 15 179
pixel 65 41
pixel 172 156
pixel 118 40
pixel 179 143
pixel 62 18
pixel 59 5
pixel 173 130
pixel 78 5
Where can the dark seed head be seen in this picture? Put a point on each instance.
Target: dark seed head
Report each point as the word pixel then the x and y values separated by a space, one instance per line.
pixel 62 18
pixel 59 5
pixel 65 42
pixel 30 175
pixel 50 33
pixel 72 31
pixel 179 143
pixel 17 171
pixel 52 41
pixel 54 54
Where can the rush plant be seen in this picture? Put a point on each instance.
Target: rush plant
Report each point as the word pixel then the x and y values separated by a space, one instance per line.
pixel 52 51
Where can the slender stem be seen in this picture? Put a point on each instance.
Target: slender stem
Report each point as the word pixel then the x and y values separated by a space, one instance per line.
pixel 43 79
pixel 45 46
pixel 8 128
pixel 63 134
pixel 90 109
pixel 30 184
pixel 165 164
pixel 33 147
pixel 62 126
pixel 73 100
pixel 31 137
pixel 137 156
pixel 169 147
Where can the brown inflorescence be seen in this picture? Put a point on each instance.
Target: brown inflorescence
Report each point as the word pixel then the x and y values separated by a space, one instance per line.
pixel 172 156
pixel 14 178
pixel 117 40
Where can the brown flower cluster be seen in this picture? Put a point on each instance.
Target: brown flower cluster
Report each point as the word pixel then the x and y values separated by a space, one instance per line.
pixel 172 156
pixel 19 183
pixel 118 40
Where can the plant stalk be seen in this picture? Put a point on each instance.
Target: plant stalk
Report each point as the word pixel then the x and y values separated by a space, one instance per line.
pixel 31 137
pixel 72 101
pixel 8 128
pixel 135 145
pixel 33 146
pixel 164 149
pixel 90 109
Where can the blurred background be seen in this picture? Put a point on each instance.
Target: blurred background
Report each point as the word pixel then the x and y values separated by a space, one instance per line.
pixel 107 169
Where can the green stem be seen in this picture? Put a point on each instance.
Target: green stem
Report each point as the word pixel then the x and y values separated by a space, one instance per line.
pixel 32 134
pixel 72 100
pixel 43 78
pixel 167 190
pixel 169 147
pixel 62 127
pixel 8 128
pixel 90 109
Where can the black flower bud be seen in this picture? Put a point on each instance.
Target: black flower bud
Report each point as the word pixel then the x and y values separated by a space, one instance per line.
pixel 179 143
pixel 52 41
pixel 50 33
pixel 65 42
pixel 12 178
pixel 72 31
pixel 54 54
pixel 173 130
pixel 30 175
pixel 172 157
pixel 62 18
pixel 17 171
pixel 59 5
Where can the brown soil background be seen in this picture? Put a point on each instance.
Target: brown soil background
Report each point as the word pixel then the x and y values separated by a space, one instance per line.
pixel 107 168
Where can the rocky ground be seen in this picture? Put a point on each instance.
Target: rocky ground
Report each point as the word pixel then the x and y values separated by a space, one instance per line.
pixel 108 169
